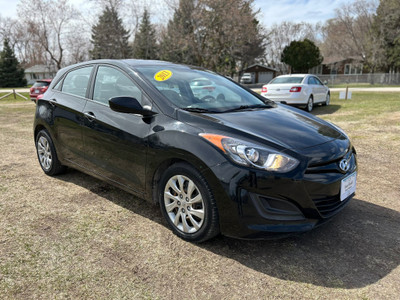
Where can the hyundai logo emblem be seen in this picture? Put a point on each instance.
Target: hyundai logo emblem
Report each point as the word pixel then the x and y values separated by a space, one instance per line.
pixel 344 165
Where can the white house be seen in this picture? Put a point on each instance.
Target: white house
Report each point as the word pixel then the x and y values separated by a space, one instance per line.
pixel 39 72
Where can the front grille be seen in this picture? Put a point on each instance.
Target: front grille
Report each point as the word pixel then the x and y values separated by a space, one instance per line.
pixel 329 206
pixel 333 166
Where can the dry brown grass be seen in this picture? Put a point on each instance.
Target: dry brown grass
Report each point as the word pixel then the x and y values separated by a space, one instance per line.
pixel 74 236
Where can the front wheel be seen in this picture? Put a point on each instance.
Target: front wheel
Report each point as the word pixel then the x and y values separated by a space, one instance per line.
pixel 188 204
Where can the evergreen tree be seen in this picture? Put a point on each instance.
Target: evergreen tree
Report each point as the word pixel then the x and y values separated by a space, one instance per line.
pixel 301 56
pixel 219 35
pixel 387 24
pixel 178 41
pixel 11 73
pixel 145 44
pixel 109 37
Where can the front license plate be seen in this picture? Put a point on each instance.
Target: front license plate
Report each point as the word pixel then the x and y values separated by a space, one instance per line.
pixel 348 186
pixel 36 91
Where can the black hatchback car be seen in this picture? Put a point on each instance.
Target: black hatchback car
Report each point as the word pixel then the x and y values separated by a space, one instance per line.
pixel 231 162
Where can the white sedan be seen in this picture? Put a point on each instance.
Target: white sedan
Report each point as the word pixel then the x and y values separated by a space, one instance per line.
pixel 304 90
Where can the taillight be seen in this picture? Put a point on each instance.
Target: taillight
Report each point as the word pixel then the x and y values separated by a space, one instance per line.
pixel 39 97
pixel 264 89
pixel 295 89
pixel 44 88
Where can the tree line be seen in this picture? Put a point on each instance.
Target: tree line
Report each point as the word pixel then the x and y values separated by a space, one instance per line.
pixel 225 35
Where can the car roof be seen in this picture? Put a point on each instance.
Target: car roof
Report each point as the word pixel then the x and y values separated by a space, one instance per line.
pixel 295 75
pixel 130 63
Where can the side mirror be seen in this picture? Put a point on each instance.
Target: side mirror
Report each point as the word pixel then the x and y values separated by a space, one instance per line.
pixel 129 105
pixel 325 82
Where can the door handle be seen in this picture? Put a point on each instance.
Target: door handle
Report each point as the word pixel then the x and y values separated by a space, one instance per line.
pixel 90 116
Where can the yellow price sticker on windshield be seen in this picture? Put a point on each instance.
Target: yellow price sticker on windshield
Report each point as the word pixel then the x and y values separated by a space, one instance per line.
pixel 163 75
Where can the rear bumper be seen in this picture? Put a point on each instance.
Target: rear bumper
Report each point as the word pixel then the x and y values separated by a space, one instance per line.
pixel 292 98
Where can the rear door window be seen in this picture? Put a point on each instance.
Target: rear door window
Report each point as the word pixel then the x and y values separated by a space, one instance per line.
pixel 311 80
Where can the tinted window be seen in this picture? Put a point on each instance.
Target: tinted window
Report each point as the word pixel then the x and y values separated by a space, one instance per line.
pixel 292 79
pixel 111 83
pixel 76 81
pixel 317 81
pixel 40 84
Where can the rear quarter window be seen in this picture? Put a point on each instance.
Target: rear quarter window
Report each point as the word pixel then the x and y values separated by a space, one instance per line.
pixel 76 81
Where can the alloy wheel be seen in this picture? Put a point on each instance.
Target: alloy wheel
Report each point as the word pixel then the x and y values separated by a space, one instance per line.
pixel 184 204
pixel 44 152
pixel 310 104
pixel 328 99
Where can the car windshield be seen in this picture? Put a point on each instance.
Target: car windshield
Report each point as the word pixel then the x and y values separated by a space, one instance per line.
pixel 199 90
pixel 291 79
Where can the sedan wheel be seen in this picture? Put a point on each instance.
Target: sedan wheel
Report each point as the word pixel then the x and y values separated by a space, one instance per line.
pixel 47 155
pixel 310 104
pixel 187 203
pixel 327 99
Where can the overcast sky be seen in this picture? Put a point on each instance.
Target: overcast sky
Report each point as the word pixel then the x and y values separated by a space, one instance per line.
pixel 272 11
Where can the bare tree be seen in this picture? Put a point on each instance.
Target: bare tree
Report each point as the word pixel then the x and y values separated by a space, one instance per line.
pixel 48 25
pixel 281 35
pixel 351 33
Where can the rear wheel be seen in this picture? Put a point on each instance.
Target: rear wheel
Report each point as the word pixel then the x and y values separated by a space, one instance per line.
pixel 47 155
pixel 310 104
pixel 188 204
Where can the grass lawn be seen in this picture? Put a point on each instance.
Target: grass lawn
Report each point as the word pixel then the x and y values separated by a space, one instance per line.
pixel 75 237
pixel 363 105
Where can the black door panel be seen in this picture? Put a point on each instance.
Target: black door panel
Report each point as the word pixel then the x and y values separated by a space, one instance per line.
pixel 115 145
pixel 68 121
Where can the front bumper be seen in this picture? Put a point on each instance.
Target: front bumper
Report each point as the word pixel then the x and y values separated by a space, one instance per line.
pixel 256 204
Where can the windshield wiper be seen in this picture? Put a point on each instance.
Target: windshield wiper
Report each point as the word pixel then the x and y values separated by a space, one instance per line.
pixel 198 109
pixel 244 107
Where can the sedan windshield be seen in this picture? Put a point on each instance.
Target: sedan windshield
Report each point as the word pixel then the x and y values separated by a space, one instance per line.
pixel 199 90
pixel 291 79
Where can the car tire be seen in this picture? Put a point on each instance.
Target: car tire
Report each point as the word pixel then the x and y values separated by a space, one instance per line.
pixel 188 203
pixel 327 100
pixel 47 155
pixel 310 104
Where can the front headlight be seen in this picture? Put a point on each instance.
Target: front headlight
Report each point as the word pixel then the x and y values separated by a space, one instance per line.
pixel 252 155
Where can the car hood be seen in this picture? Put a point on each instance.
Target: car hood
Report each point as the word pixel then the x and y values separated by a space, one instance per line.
pixel 280 125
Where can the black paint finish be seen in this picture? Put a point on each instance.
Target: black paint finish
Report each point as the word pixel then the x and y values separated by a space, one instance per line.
pixel 132 150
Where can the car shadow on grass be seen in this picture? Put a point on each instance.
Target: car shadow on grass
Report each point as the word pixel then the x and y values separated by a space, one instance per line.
pixel 357 248
pixel 325 110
